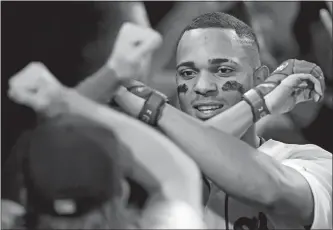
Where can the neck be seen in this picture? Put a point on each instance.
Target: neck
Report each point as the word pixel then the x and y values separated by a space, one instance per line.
pixel 251 138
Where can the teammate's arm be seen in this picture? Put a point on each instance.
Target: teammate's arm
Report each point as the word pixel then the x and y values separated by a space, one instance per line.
pixel 159 165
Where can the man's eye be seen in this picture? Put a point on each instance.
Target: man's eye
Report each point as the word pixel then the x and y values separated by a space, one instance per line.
pixel 187 73
pixel 225 70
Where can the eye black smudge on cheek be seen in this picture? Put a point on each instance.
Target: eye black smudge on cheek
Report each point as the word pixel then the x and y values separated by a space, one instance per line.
pixel 182 88
pixel 233 86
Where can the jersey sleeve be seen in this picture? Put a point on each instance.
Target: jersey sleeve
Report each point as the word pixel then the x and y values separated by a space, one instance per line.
pixel 316 167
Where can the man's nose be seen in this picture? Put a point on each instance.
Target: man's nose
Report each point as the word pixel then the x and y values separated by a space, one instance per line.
pixel 205 84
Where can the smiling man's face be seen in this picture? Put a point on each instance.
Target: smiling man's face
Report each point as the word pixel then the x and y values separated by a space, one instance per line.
pixel 214 69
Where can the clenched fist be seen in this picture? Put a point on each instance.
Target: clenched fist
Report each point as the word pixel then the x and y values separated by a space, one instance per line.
pixel 287 68
pixel 292 90
pixel 34 86
pixel 132 51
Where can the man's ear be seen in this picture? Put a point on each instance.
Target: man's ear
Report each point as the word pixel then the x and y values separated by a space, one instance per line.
pixel 260 74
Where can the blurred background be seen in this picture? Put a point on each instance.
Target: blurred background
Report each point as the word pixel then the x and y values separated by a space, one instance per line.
pixel 74 39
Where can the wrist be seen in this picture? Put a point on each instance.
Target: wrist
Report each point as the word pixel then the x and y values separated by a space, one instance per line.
pixel 269 98
pixel 266 87
pixel 152 109
pixel 129 102
pixel 58 105
pixel 255 99
pixel 116 67
pixel 114 81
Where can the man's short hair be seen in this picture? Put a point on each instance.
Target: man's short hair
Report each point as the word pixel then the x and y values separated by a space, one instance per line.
pixel 224 21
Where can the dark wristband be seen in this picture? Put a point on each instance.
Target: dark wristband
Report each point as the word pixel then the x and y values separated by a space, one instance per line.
pixel 252 108
pixel 151 111
pixel 257 102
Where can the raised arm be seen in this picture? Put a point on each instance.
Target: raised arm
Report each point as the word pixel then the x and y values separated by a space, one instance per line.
pixel 177 177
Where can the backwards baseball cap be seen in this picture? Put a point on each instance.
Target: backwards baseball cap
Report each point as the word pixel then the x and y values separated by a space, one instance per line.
pixel 71 167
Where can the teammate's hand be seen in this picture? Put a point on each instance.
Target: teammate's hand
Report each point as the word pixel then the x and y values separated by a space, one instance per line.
pixel 11 212
pixel 293 90
pixel 132 51
pixel 34 86
pixel 287 68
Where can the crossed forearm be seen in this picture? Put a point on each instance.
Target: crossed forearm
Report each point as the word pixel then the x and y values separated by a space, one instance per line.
pixel 219 155
pixel 174 176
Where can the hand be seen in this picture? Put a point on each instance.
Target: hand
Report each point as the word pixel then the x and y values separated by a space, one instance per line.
pixel 293 90
pixel 132 51
pixel 34 86
pixel 10 214
pixel 326 18
pixel 287 68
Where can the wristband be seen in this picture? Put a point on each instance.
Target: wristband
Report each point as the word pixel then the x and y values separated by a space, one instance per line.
pixel 151 111
pixel 144 92
pixel 257 102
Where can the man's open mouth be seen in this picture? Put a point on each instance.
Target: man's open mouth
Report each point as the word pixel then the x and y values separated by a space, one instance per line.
pixel 208 108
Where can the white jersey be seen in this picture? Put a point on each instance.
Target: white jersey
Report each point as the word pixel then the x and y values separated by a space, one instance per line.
pixel 313 162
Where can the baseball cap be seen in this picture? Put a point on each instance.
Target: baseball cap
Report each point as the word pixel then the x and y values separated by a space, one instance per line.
pixel 71 167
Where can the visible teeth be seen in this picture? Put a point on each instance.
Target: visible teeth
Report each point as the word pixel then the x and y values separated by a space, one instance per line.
pixel 208 107
pixel 206 111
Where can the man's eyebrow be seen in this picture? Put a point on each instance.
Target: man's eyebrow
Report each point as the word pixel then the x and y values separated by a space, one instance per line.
pixel 216 61
pixel 186 64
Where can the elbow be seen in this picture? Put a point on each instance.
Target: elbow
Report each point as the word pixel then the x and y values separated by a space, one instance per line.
pixel 269 195
pixel 269 201
pixel 273 194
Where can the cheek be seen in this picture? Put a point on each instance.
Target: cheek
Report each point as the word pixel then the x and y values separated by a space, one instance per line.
pixel 184 89
pixel 183 86
pixel 233 86
pixel 184 95
pixel 231 97
pixel 232 90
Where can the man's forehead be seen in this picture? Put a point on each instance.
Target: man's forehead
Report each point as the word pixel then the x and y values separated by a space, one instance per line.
pixel 225 34
pixel 217 42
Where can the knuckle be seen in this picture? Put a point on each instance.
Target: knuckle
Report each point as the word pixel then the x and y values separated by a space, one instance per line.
pixel 125 25
pixel 128 27
pixel 317 71
pixel 37 65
